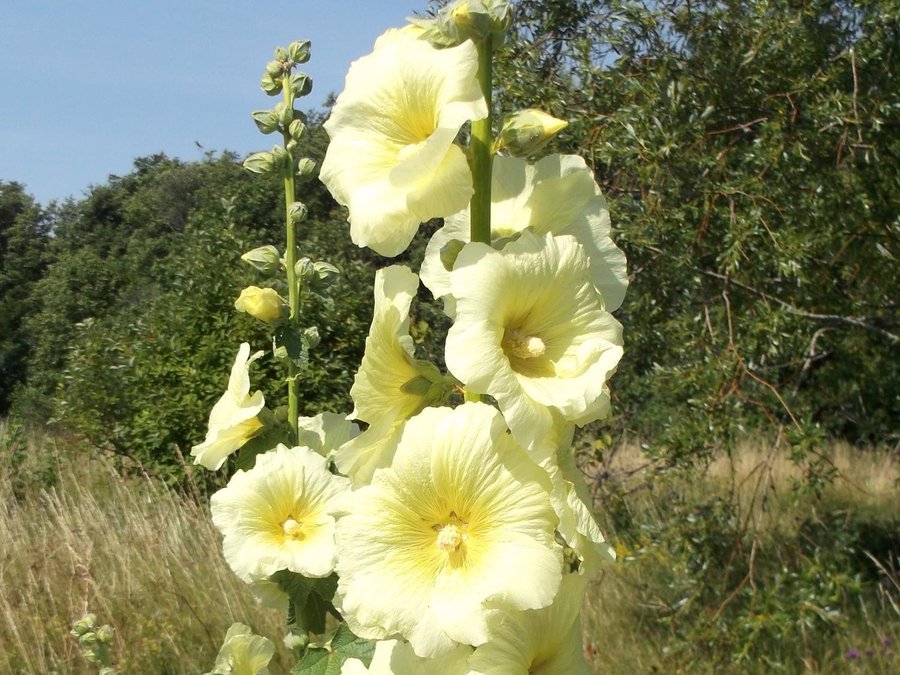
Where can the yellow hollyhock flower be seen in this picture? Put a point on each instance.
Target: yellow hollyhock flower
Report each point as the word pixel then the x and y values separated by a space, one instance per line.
pixel 537 642
pixel 261 303
pixel 233 420
pixel 243 653
pixel 391 386
pixel 459 527
pixel 558 195
pixel 396 657
pixel 532 332
pixel 392 159
pixel 277 516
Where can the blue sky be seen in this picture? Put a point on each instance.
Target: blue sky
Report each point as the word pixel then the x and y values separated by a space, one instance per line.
pixel 88 85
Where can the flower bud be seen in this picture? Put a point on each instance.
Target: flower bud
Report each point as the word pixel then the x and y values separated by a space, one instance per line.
pixel 105 634
pixel 298 212
pixel 281 54
pixel 275 69
pixel 270 85
pixel 266 121
pixel 84 624
pixel 298 51
pixel 264 258
pixel 326 273
pixel 527 131
pixel 301 84
pixel 304 269
pixel 467 20
pixel 311 336
pixel 260 162
pixel 297 129
pixel 261 303
pixel 280 157
pixel 284 114
pixel 306 168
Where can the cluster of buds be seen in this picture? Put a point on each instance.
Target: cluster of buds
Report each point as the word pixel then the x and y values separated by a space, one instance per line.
pixel 94 642
pixel 467 20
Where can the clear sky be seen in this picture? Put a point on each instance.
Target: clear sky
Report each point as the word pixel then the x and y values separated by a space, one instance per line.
pixel 88 85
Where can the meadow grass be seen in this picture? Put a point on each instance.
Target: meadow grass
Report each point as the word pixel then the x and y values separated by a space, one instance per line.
pixel 77 535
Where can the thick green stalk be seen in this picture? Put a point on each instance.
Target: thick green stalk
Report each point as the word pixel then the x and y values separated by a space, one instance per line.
pixel 290 259
pixel 482 141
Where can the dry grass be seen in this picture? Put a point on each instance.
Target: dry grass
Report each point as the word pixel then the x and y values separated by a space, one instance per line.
pixel 140 557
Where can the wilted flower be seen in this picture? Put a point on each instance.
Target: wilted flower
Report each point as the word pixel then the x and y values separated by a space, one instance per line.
pixel 243 653
pixel 277 515
pixel 459 527
pixel 531 331
pixel 537 642
pixel 390 386
pixel 233 420
pixel 392 158
pixel 261 303
pixel 557 195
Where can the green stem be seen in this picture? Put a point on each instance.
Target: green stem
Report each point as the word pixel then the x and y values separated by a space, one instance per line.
pixel 482 141
pixel 290 259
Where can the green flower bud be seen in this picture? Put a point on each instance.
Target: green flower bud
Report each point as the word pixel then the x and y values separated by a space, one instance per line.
pixel 301 84
pixel 88 639
pixel 467 20
pixel 284 114
pixel 326 273
pixel 281 54
pixel 527 131
pixel 105 634
pixel 306 168
pixel 304 269
pixel 299 51
pixel 266 121
pixel 264 258
pixel 280 157
pixel 84 624
pixel 260 162
pixel 297 129
pixel 311 337
pixel 275 69
pixel 270 85
pixel 298 212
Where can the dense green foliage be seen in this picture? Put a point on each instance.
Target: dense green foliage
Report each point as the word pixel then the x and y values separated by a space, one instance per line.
pixel 751 156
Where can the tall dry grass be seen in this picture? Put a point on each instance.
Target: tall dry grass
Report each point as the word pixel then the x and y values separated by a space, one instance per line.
pixel 140 557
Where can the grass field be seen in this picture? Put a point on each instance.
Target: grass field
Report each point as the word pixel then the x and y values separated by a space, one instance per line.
pixel 788 584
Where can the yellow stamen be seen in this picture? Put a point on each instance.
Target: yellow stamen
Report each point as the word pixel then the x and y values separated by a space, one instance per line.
pixel 522 346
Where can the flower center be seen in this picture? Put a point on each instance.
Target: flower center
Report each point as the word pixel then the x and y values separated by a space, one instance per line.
pixel 517 344
pixel 449 538
pixel 292 529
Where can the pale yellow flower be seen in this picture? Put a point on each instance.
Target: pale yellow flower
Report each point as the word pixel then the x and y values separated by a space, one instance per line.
pixel 459 527
pixel 325 432
pixel 558 195
pixel 537 642
pixel 233 420
pixel 261 303
pixel 392 159
pixel 243 653
pixel 396 657
pixel 531 331
pixel 278 515
pixel 391 386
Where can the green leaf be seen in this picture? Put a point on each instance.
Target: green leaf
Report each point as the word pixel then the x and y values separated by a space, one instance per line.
pixel 344 645
pixel 310 599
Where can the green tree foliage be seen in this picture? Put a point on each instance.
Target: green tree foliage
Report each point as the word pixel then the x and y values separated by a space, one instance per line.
pixel 751 156
pixel 23 258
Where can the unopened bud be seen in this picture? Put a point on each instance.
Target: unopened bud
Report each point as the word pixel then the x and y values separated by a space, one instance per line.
pixel 261 303
pixel 266 121
pixel 311 337
pixel 270 85
pixel 265 259
pixel 298 212
pixel 301 84
pixel 260 162
pixel 527 131
pixel 285 115
pixel 105 634
pixel 298 51
pixel 84 624
pixel 326 273
pixel 304 269
pixel 275 69
pixel 297 129
pixel 306 168
pixel 281 54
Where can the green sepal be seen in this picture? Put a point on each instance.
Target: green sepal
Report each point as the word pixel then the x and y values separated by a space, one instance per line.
pixel 328 661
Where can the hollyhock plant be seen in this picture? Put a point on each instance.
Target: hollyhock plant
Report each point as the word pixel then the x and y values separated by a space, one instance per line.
pixel 392 159
pixel 531 331
pixel 233 420
pixel 459 527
